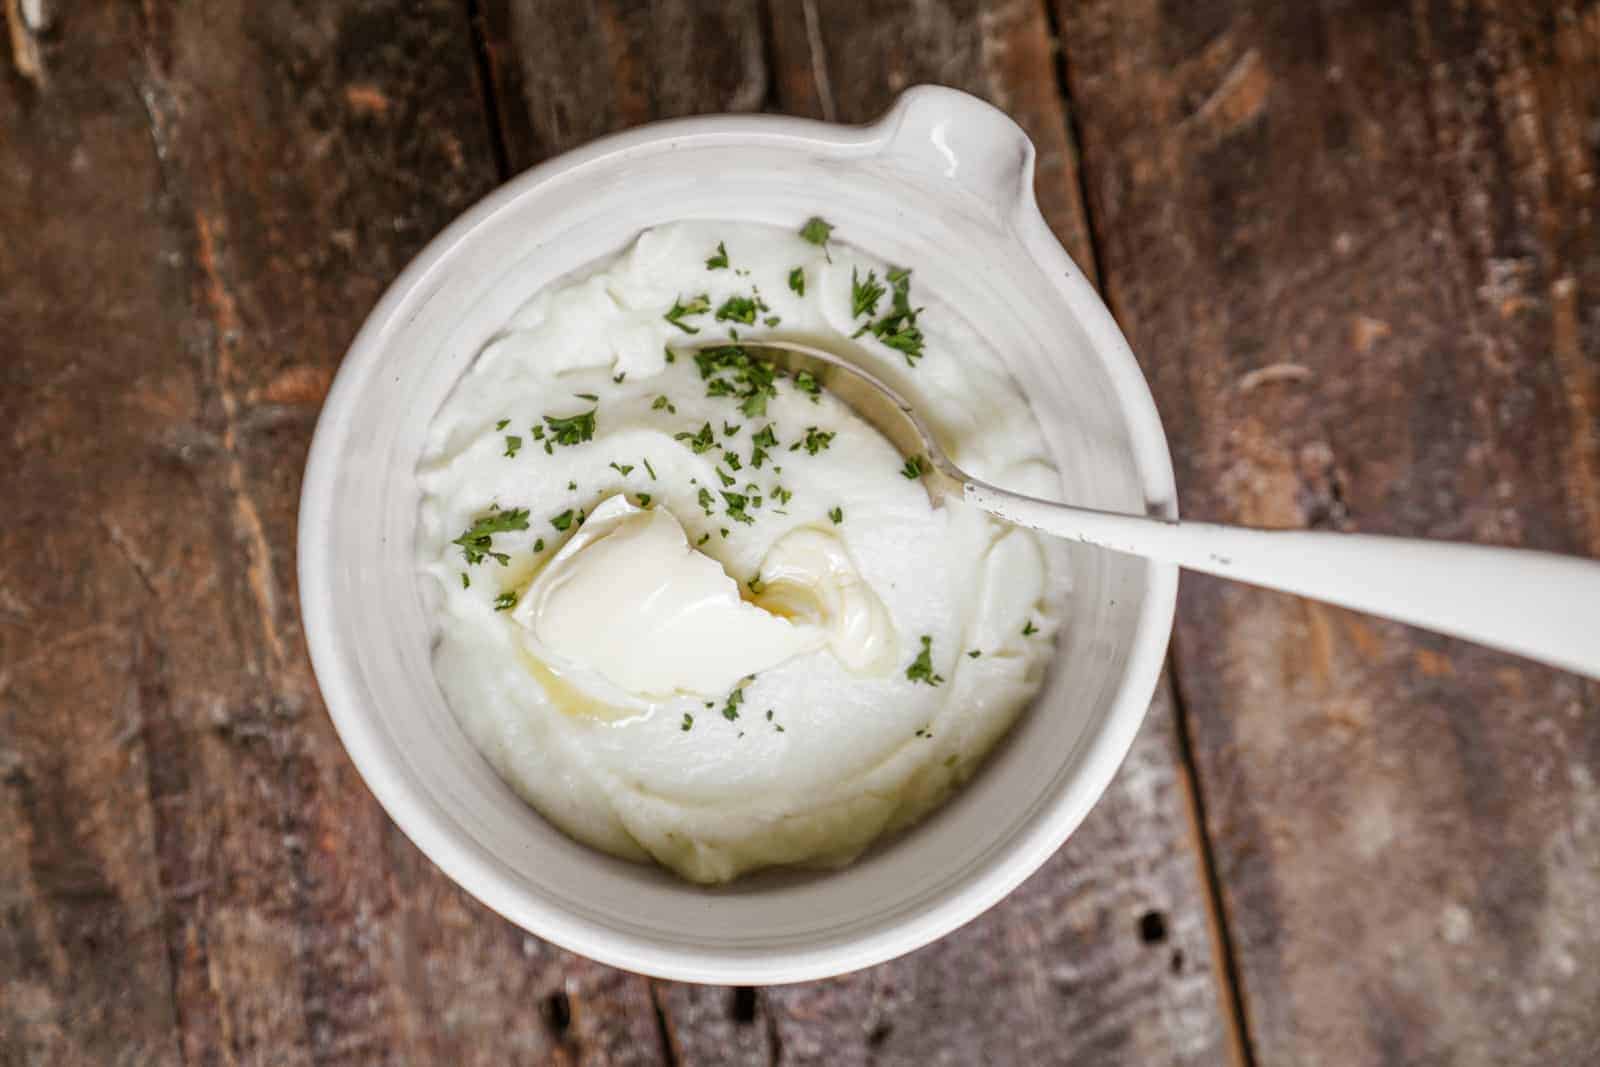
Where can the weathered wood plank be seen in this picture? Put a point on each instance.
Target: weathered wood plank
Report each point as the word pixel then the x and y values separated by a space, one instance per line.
pixel 1105 954
pixel 565 73
pixel 201 202
pixel 1355 246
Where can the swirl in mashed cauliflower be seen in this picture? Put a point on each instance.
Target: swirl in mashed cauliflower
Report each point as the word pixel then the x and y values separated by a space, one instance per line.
pixel 698 612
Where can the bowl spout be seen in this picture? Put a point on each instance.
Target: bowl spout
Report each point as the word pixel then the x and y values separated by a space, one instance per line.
pixel 953 136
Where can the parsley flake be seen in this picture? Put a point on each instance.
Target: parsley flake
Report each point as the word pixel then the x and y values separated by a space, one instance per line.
pixel 623 469
pixel 921 669
pixel 617 378
pixel 730 710
pixel 697 305
pixel 700 442
pixel 816 231
pixel 864 295
pixel 720 260
pixel 688 722
pixel 737 502
pixel 466 583
pixel 502 424
pixel 807 382
pixel 505 601
pixel 817 440
pixel 974 654
pixel 571 430
pixel 563 521
pixel 1030 629
pixel 740 309
pixel 837 515
pixel 590 397
pixel 663 404
pixel 513 443
pixel 477 541
pixel 538 545
pixel 725 479
pixel 644 500
pixel 797 281
pixel 731 460
pixel 650 469
pixel 706 499
pixel 915 468
pixel 898 329
pixel 755 583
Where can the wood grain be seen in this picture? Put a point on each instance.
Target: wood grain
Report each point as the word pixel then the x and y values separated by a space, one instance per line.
pixel 1355 247
pixel 200 203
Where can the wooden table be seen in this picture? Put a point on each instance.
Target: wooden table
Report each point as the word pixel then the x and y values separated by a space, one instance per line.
pixel 1355 246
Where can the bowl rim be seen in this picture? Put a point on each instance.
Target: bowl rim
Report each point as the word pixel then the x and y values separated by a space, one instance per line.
pixel 488 878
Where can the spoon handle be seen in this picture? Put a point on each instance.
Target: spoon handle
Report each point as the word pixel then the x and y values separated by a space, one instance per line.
pixel 1537 604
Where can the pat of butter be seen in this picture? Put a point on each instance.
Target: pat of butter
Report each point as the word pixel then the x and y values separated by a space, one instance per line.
pixel 809 577
pixel 627 598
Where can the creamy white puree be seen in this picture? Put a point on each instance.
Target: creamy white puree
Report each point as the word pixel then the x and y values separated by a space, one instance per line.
pixel 605 668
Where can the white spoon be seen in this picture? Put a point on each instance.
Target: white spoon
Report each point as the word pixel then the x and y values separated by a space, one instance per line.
pixel 1537 604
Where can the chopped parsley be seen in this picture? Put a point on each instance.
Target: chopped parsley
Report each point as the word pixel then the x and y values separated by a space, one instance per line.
pixel 563 521
pixel 623 469
pixel 730 710
pixel 737 502
pixel 720 260
pixel 837 515
pixel 816 440
pixel 730 370
pixel 816 231
pixel 1030 629
pixel 704 538
pixel 590 397
pixel 505 601
pixel 688 722
pixel 732 460
pixel 776 726
pixel 755 583
pixel 650 469
pixel 538 545
pixel 725 479
pixel 762 441
pixel 477 541
pixel 513 443
pixel 740 309
pixel 706 499
pixel 898 329
pixel 697 305
pixel 572 486
pixel 571 430
pixel 729 429
pixel 864 295
pixel 780 494
pixel 466 583
pixel 644 500
pixel 921 669
pixel 663 404
pixel 974 654
pixel 772 320
pixel 807 382
pixel 915 468
pixel 502 424
pixel 616 378
pixel 797 281
pixel 700 442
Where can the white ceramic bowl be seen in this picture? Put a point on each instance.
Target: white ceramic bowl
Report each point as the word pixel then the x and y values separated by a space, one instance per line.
pixel 943 182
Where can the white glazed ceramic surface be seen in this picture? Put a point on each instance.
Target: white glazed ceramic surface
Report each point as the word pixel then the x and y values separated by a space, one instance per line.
pixel 943 183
